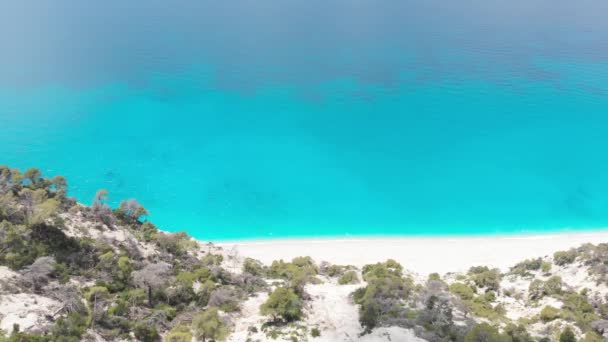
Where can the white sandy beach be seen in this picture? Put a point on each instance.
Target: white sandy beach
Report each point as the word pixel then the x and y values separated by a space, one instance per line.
pixel 421 255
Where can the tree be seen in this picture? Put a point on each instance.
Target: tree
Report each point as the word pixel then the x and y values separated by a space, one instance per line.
pixel 10 179
pixel 152 276
pixel 33 175
pixel 567 336
pixel 101 196
pixel 5 179
pixel 209 325
pixel 253 267
pixel 132 210
pixel 59 185
pixel 97 297
pixel 284 303
pixel 101 211
pixel 437 312
pixel 381 300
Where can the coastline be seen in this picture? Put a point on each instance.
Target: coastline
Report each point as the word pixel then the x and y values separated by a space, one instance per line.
pixel 420 254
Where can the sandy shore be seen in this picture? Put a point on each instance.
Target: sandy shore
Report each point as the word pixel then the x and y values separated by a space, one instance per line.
pixel 420 254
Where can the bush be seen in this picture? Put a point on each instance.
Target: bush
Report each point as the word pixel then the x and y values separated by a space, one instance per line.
pixel 254 267
pixel 518 333
pixel 564 257
pixel 173 243
pixel 483 333
pixel 332 270
pixel 70 328
pixel 523 268
pixel 350 277
pixel 180 333
pixel 577 308
pixel 148 231
pixel 225 298
pixel 592 336
pixel 298 273
pixel 485 277
pixel 283 303
pixel 463 291
pixel 434 277
pixel 482 307
pixel 538 288
pixel 315 332
pixel 567 336
pixel 553 286
pixel 381 300
pixel 209 325
pixel 549 313
pixel 145 332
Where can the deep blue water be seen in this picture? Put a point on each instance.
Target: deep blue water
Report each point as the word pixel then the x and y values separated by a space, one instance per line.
pixel 256 119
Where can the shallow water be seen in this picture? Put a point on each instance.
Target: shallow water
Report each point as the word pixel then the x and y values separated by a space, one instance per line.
pixel 242 119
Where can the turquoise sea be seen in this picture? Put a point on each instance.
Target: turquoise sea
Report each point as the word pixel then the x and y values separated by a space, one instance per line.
pixel 265 119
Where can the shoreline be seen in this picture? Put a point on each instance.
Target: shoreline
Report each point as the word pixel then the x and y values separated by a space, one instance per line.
pixel 420 254
pixel 481 234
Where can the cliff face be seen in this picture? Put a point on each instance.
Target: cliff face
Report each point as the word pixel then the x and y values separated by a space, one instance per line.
pixel 70 272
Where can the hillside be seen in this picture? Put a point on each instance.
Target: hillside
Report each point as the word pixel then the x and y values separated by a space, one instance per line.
pixel 70 272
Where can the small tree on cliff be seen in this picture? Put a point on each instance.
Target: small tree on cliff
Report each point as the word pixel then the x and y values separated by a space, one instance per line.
pixel 152 276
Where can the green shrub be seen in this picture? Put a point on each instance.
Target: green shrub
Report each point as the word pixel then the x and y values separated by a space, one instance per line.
pixel 553 286
pixel 70 328
pixel 434 277
pixel 463 291
pixel 483 332
pixel 485 277
pixel 567 336
pixel 549 313
pixel 523 268
pixel 381 300
pixel 382 269
pixel 209 325
pixel 518 333
pixel 333 270
pixel 148 231
pixel 481 307
pixel 578 309
pixel 254 267
pixel 282 303
pixel 538 288
pixel 290 270
pixel 315 332
pixel 350 277
pixel 145 332
pixel 592 336
pixel 180 333
pixel 489 296
pixel 298 273
pixel 564 257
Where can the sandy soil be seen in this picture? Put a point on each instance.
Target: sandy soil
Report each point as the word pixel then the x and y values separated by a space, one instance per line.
pixel 422 255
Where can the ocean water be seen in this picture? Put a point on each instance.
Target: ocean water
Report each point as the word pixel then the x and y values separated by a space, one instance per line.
pixel 267 119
